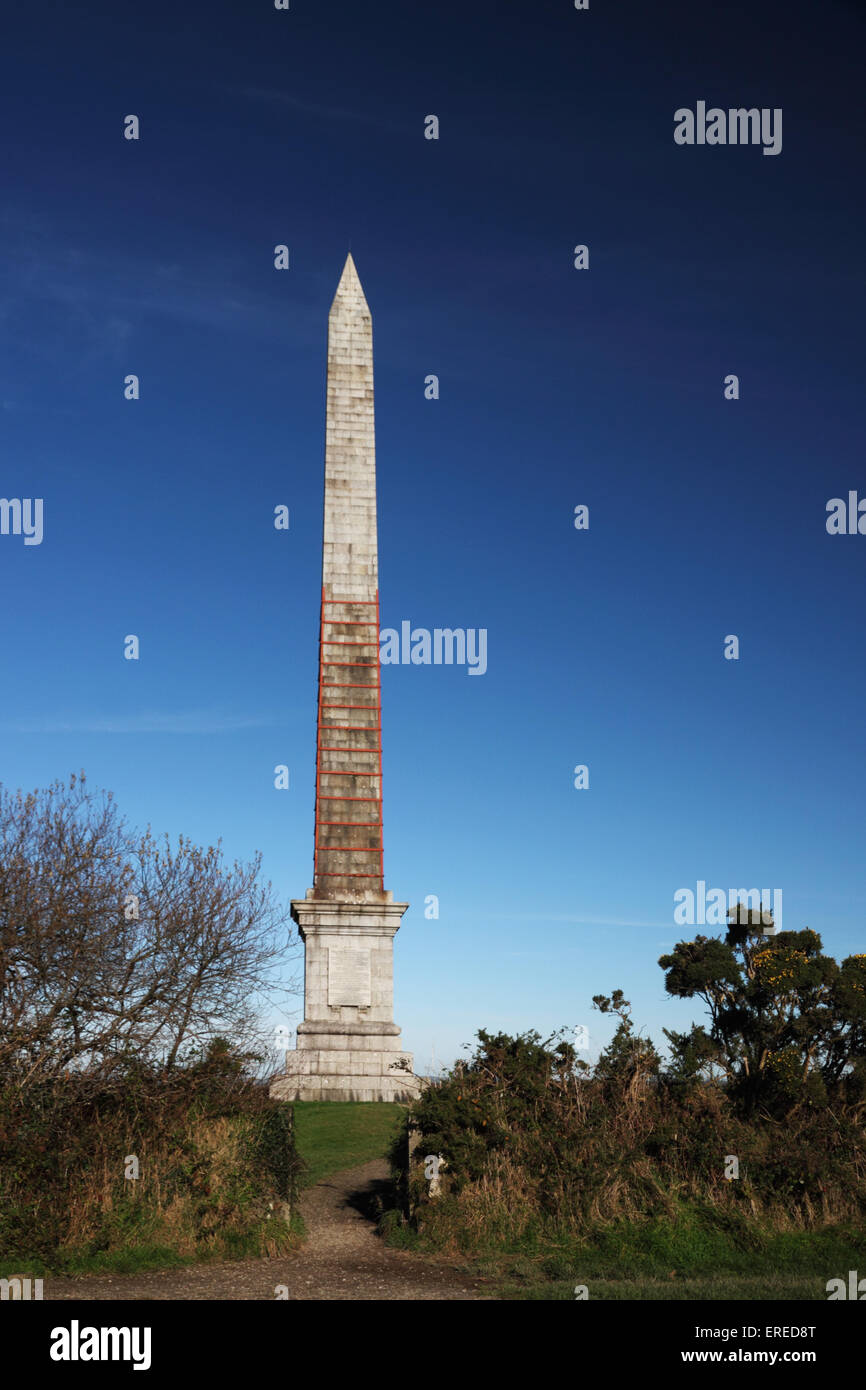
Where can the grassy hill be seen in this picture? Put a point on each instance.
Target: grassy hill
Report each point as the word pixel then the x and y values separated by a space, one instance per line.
pixel 333 1135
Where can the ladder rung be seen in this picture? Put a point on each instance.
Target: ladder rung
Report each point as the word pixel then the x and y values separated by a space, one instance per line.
pixel 349 849
pixel 324 797
pixel 375 707
pixel 339 873
pixel 323 748
pixel 366 823
pixel 355 728
pixel 355 772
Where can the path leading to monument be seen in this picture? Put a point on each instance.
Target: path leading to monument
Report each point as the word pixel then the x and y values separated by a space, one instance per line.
pixel 342 1259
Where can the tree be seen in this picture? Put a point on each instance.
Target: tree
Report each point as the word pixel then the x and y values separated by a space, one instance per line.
pixel 114 943
pixel 787 1024
pixel 628 1059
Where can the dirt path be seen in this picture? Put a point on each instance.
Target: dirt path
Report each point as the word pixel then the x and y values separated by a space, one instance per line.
pixel 342 1258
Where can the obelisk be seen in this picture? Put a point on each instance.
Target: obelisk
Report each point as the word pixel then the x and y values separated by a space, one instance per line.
pixel 348 1045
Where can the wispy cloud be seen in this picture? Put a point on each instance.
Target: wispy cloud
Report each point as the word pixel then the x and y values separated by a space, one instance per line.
pixel 150 722
pixel 98 299
pixel 312 108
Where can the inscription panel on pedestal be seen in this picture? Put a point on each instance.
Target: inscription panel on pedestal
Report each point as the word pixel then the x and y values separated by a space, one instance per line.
pixel 348 977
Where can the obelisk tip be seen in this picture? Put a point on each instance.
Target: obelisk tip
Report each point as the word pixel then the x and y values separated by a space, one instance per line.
pixel 350 291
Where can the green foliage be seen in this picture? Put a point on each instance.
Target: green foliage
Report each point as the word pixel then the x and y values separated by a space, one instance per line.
pixel 627 1057
pixel 539 1155
pixel 625 1168
pixel 271 1150
pixel 699 966
pixel 508 1083
pixel 787 1025
pixel 217 1164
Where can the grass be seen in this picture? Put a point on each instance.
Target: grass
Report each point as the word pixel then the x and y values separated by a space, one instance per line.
pixel 333 1135
pixel 202 1197
pixel 678 1257
pixel 713 1288
pixel 330 1136
pixel 138 1259
pixel 787 1265
pixel 129 1261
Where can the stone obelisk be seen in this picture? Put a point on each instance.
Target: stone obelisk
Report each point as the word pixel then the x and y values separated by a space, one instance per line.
pixel 348 1045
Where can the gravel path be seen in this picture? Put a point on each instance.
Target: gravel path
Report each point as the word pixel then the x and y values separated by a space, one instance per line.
pixel 342 1258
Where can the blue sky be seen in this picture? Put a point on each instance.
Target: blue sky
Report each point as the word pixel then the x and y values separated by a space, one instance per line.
pixel 558 387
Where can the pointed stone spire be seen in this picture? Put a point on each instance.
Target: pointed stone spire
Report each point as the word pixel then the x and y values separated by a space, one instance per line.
pixel 350 294
pixel 349 559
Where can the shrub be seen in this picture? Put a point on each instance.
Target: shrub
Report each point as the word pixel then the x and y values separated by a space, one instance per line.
pixel 218 1169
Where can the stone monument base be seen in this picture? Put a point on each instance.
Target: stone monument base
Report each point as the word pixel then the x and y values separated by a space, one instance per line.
pixel 329 1074
pixel 363 1061
pixel 348 1045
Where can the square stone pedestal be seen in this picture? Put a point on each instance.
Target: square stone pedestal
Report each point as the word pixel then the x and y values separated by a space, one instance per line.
pixel 348 1045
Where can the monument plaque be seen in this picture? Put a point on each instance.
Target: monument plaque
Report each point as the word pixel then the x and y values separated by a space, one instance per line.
pixel 348 977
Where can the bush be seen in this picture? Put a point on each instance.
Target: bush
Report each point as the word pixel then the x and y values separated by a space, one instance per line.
pixel 218 1169
pixel 536 1150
